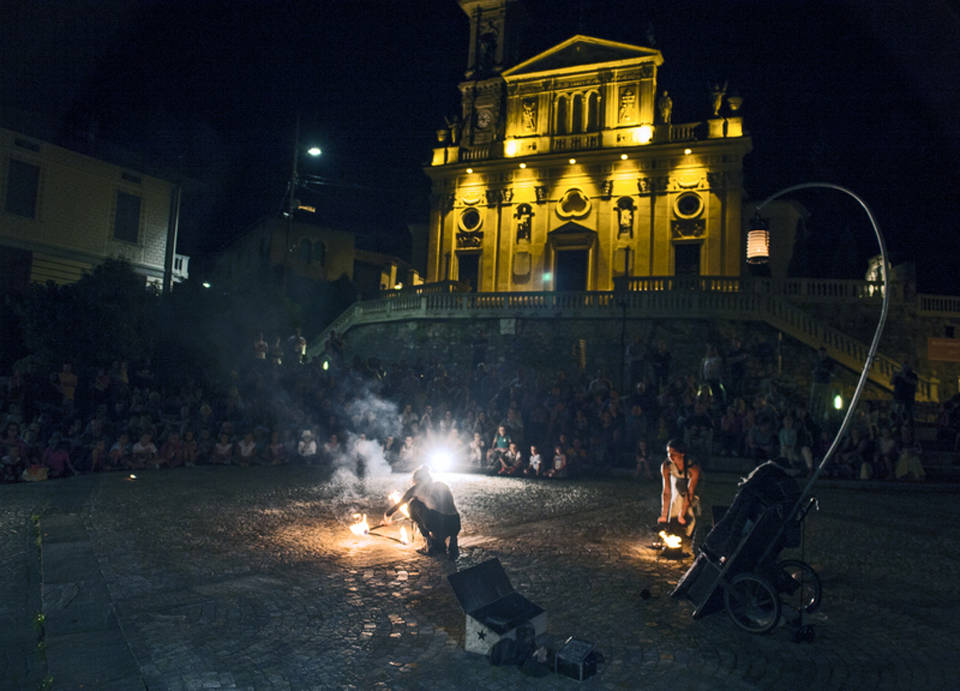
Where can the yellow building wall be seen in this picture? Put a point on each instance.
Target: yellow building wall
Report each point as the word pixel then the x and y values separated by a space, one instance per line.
pixel 75 211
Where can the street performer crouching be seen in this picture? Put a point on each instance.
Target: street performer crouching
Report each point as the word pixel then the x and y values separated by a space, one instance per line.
pixel 431 507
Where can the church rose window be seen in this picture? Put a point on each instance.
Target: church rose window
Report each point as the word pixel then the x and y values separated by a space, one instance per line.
pixel 574 203
pixel 688 205
pixel 470 219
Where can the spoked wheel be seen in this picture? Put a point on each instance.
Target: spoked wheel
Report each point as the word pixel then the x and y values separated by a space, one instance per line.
pixel 799 584
pixel 752 603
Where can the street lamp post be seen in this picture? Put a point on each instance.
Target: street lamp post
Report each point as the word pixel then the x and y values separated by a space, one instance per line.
pixel 292 204
pixel 758 251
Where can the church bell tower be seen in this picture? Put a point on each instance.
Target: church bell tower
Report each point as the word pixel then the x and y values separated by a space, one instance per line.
pixel 493 47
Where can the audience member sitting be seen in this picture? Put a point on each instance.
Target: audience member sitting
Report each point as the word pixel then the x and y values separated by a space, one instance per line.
pixel 534 463
pixel 510 461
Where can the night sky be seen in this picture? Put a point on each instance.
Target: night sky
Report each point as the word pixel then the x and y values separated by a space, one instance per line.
pixel 852 92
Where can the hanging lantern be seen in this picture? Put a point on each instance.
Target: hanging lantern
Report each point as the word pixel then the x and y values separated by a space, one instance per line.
pixel 758 242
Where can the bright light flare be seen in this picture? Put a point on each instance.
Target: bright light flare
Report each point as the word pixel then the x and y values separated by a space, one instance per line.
pixel 394 497
pixel 404 538
pixel 314 151
pixel 671 541
pixel 838 402
pixel 360 525
pixel 642 134
pixel 440 460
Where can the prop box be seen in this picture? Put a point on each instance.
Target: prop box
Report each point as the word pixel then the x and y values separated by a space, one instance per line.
pixel 494 609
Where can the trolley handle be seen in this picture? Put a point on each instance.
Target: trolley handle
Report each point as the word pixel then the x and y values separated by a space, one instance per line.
pixel 811 503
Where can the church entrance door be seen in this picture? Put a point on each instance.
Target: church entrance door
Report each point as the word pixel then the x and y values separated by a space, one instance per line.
pixel 686 259
pixel 571 269
pixel 468 270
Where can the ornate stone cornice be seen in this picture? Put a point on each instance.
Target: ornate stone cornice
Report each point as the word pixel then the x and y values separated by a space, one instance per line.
pixel 653 185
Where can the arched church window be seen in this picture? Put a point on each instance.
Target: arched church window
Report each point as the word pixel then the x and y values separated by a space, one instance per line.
pixel 577 125
pixel 593 112
pixel 561 127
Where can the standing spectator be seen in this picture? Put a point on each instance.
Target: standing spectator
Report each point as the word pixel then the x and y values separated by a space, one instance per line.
pixel 660 366
pixel 820 386
pixel 904 392
pixel 788 438
pixel 711 373
pixel 737 360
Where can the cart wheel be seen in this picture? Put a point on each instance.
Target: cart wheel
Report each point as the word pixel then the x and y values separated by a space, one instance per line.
pixel 800 585
pixel 752 603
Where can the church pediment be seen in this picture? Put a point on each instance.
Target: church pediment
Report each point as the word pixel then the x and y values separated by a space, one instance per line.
pixel 572 233
pixel 580 51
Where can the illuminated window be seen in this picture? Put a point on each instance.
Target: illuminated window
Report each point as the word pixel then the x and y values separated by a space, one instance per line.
pixel 126 225
pixel 23 181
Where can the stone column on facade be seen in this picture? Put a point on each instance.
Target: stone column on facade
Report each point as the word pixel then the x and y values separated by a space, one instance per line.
pixel 718 187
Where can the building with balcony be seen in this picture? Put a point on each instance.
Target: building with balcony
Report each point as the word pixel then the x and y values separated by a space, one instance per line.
pixel 566 171
pixel 63 212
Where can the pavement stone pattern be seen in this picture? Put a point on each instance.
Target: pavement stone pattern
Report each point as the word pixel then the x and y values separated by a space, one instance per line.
pixel 249 578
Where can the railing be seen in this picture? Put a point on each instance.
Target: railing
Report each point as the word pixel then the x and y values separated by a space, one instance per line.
pixel 477 152
pixel 575 142
pixel 941 305
pixel 688 297
pixel 807 289
pixel 684 132
pixel 181 263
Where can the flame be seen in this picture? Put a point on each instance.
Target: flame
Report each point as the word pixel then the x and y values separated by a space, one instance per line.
pixel 671 541
pixel 394 498
pixel 404 538
pixel 360 526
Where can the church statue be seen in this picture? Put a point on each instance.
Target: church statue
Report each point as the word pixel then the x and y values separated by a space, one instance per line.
pixel 718 92
pixel 665 106
pixel 529 115
pixel 627 98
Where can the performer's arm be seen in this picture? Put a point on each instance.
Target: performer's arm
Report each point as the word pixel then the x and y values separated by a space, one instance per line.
pixel 666 495
pixel 693 477
pixel 407 496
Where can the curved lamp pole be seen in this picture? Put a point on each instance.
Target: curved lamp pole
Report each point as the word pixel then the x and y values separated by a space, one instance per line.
pixel 762 242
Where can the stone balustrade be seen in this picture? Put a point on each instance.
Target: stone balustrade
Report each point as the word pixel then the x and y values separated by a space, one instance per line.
pixel 656 297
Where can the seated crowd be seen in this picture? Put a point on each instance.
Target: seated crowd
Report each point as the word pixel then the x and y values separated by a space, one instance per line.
pixel 500 420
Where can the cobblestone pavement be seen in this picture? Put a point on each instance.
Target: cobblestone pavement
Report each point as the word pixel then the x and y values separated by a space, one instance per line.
pixel 250 578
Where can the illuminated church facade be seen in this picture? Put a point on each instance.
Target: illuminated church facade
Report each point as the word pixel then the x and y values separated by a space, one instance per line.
pixel 565 171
